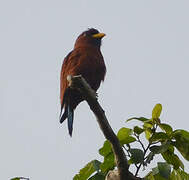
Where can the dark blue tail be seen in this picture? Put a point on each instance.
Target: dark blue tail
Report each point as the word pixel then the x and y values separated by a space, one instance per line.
pixel 70 120
pixel 68 114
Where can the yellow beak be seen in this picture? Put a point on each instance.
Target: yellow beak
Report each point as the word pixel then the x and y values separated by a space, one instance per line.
pixel 99 35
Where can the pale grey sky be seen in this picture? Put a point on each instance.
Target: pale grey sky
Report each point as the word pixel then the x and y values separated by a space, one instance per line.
pixel 146 51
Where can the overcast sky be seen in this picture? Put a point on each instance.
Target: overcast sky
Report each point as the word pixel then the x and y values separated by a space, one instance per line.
pixel 146 51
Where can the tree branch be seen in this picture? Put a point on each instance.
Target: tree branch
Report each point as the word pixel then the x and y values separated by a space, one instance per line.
pixel 89 95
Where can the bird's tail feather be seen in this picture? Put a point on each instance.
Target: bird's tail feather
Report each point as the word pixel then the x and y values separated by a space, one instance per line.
pixel 70 120
pixel 64 115
pixel 68 112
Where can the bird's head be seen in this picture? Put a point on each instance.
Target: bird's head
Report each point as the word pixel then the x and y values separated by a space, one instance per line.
pixel 91 37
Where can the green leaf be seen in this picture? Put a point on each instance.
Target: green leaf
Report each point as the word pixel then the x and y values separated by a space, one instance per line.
pixel 160 149
pixel 173 159
pixel 164 169
pixel 159 177
pixel 149 158
pixel 155 170
pixel 108 163
pixel 124 132
pixel 184 175
pixel 128 140
pixel 175 176
pixel 182 142
pixel 138 130
pixel 142 119
pixel 156 111
pixel 19 178
pixel 181 134
pixel 148 134
pixel 124 136
pixel 85 172
pixel 106 149
pixel 159 136
pixel 97 176
pixel 167 128
pixel 156 174
pixel 171 148
pixel 137 156
pixel 147 125
pixel 96 165
pixel 149 176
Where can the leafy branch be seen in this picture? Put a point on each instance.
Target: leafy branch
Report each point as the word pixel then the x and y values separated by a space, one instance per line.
pixel 161 140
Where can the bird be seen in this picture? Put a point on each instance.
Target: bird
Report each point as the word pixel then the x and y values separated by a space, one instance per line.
pixel 86 60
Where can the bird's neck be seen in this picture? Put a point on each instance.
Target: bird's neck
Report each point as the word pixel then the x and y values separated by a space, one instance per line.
pixel 86 46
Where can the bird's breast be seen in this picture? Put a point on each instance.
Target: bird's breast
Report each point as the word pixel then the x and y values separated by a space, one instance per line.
pixel 92 67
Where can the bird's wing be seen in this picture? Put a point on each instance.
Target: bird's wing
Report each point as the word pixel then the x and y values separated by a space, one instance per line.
pixel 63 82
pixel 69 65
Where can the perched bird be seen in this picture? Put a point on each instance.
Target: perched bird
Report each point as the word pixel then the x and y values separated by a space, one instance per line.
pixel 86 60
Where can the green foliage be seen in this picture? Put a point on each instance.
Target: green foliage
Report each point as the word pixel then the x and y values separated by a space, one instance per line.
pixel 137 156
pixel 107 153
pixel 149 158
pixel 124 136
pixel 138 130
pixel 161 139
pixel 97 176
pixel 88 170
pixel 106 149
pixel 172 159
pixel 161 172
pixel 164 169
pixel 108 163
pixel 142 119
pixel 19 178
pixel 182 142
pixel 166 128
pixel 160 149
pixel 156 111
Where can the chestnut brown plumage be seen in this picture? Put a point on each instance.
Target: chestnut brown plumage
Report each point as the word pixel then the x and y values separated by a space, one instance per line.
pixel 86 60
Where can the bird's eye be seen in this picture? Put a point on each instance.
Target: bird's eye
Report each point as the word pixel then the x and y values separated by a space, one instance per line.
pixel 85 34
